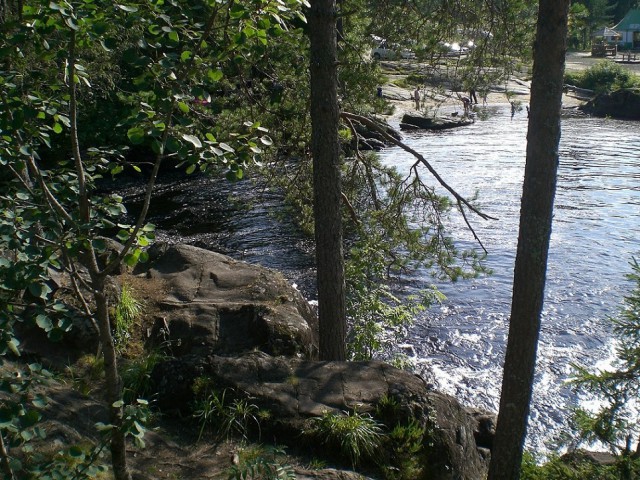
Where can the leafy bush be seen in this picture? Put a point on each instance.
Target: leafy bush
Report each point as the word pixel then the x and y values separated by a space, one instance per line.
pixel 21 430
pixel 604 76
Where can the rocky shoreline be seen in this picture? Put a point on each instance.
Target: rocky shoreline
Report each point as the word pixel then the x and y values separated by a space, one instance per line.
pixel 245 330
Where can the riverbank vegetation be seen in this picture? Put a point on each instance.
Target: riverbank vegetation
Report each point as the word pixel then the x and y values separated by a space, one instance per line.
pixel 605 76
pixel 93 91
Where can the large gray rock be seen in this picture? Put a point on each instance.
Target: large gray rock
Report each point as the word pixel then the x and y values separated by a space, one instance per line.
pixel 209 303
pixel 410 121
pixel 294 390
pixel 623 104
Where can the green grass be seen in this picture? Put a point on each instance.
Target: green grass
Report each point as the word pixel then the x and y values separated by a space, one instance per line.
pixel 126 313
pixel 355 435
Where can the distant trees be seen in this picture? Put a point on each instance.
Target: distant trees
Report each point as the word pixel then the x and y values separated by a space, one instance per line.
pixel 620 8
pixel 587 16
pixel 536 213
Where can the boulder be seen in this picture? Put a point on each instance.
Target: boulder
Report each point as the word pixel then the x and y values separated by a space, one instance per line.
pixel 579 457
pixel 623 104
pixel 293 390
pixel 195 302
pixel 411 122
pixel 209 303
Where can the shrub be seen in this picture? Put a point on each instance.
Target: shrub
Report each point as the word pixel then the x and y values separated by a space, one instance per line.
pixel 354 435
pixel 22 431
pixel 604 76
pixel 561 468
pixel 405 445
pixel 86 373
pixel 136 376
pixel 126 312
pixel 214 411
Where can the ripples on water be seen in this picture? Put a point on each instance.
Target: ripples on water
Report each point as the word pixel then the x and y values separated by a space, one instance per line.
pixel 241 220
pixel 595 230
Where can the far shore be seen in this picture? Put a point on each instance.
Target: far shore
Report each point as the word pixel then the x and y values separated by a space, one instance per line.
pixel 450 102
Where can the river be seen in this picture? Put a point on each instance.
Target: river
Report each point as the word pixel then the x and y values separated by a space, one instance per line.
pixel 459 344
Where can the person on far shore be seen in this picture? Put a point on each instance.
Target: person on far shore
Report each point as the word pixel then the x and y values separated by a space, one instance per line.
pixel 416 97
pixel 466 103
pixel 472 96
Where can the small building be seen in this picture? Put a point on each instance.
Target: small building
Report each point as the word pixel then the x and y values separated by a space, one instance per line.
pixel 604 42
pixel 629 29
pixel 607 35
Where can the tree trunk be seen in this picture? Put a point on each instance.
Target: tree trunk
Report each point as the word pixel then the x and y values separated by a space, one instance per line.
pixel 533 241
pixel 113 391
pixel 326 179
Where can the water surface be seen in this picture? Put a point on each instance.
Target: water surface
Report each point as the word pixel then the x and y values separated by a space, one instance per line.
pixel 460 344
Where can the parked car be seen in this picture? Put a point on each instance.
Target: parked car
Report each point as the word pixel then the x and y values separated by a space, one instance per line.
pixel 391 51
pixel 452 49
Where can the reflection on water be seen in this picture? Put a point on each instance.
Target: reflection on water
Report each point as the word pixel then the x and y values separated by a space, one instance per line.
pixel 460 344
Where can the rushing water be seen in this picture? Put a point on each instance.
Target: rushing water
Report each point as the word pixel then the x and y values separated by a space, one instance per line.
pixel 460 344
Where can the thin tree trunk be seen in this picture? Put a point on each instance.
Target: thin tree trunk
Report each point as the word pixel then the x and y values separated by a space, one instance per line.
pixel 326 180
pixel 4 459
pixel 113 383
pixel 533 241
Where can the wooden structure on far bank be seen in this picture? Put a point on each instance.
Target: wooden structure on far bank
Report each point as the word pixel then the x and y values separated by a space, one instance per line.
pixel 604 43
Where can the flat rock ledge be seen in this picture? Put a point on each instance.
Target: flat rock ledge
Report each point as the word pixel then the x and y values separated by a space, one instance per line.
pixel 418 122
pixel 252 335
pixel 210 303
pixel 294 390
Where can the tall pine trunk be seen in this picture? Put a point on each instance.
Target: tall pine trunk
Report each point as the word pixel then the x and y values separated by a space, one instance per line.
pixel 536 213
pixel 325 148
